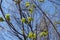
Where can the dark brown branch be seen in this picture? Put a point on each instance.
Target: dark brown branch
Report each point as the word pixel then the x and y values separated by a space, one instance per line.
pixel 20 12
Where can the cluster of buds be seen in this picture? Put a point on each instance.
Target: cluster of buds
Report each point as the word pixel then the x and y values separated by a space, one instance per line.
pixel 32 35
pixel 44 33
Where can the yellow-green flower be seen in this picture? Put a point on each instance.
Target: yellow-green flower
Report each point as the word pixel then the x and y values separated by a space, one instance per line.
pixel 7 16
pixel 27 4
pixel 44 33
pixel 31 10
pixel 32 35
pixel 1 19
pixel 30 19
pixel 23 20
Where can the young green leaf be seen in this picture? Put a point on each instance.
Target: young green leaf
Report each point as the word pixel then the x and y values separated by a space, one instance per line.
pixel 23 20
pixel 27 4
pixel 30 10
pixel 1 19
pixel 30 19
pixel 32 35
pixel 45 33
pixel 7 16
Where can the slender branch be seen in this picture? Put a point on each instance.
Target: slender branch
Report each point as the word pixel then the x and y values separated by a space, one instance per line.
pixel 47 18
pixel 20 12
pixel 10 25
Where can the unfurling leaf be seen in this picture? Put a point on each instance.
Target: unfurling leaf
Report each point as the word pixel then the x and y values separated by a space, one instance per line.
pixel 30 19
pixel 30 10
pixel 27 4
pixel 44 33
pixel 32 35
pixel 7 16
pixel 1 19
pixel 23 20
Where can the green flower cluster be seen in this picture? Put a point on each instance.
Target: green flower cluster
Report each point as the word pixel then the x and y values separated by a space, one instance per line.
pixel 44 33
pixel 32 35
pixel 30 19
